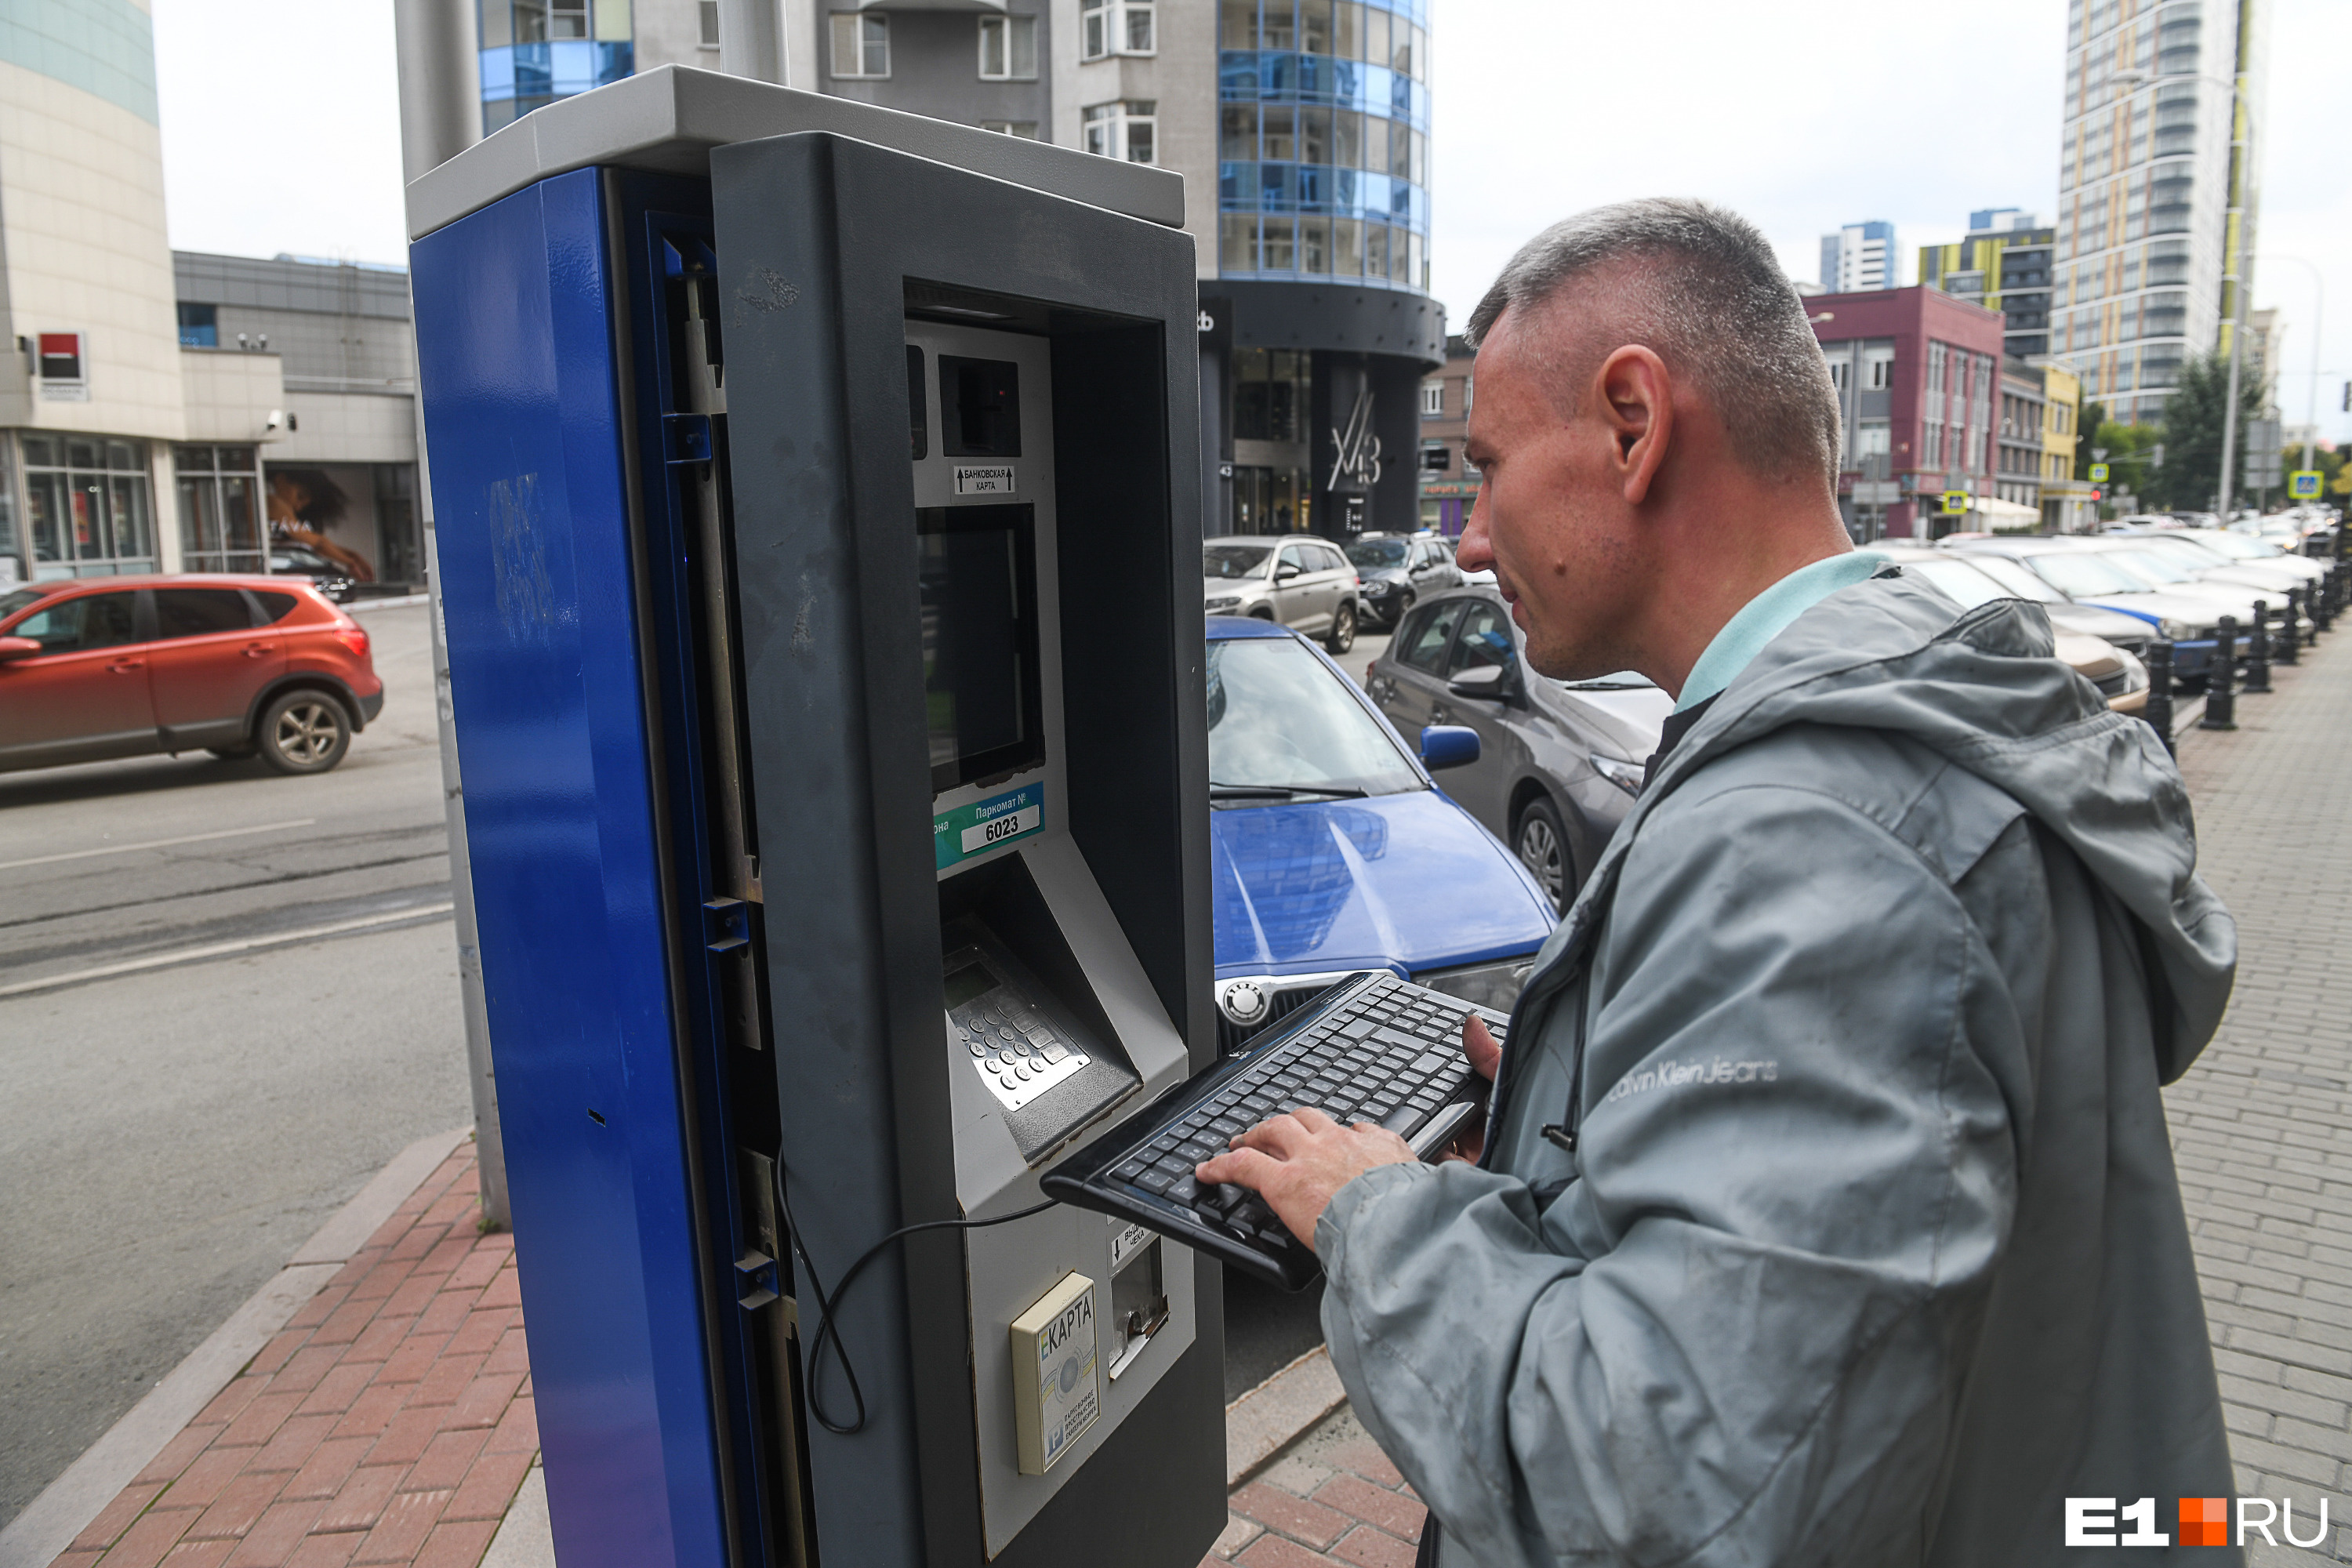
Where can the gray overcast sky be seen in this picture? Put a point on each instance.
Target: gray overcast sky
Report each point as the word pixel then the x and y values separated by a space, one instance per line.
pixel 281 132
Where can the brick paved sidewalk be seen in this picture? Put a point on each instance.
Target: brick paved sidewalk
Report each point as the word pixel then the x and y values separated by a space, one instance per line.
pixel 391 1421
pixel 1331 1496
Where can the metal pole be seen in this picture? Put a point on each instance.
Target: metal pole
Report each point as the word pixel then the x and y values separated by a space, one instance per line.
pixel 751 38
pixel 440 117
pixel 2241 175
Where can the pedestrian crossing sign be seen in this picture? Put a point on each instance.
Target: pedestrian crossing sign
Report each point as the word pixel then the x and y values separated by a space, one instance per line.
pixel 2098 473
pixel 1957 500
pixel 2304 484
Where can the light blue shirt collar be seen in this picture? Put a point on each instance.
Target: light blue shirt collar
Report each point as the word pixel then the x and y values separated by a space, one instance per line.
pixel 1766 616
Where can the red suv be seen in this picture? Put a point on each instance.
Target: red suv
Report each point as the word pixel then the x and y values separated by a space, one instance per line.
pixel 118 666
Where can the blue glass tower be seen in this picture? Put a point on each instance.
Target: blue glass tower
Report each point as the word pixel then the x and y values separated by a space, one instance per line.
pixel 536 51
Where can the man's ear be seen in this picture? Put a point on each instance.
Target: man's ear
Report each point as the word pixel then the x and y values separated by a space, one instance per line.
pixel 1635 396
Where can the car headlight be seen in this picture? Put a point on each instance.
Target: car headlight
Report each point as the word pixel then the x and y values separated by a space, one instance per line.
pixel 1626 775
pixel 1378 587
pixel 1494 985
pixel 1224 601
pixel 2176 631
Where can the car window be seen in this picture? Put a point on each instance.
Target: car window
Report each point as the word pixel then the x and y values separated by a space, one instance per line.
pixel 192 612
pixel 1278 715
pixel 1289 557
pixel 1371 554
pixel 2152 566
pixel 1484 640
pixel 276 606
pixel 2087 573
pixel 1423 643
pixel 78 624
pixel 1234 560
pixel 2015 578
pixel 1333 560
pixel 10 603
pixel 1961 581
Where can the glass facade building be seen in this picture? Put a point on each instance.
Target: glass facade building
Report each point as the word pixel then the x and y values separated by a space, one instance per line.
pixel 1323 141
pixel 536 51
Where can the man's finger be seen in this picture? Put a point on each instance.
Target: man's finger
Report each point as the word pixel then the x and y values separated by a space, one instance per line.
pixel 1314 1118
pixel 1479 1043
pixel 1278 1135
pixel 1242 1167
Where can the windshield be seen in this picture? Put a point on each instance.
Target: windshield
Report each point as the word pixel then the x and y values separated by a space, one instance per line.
pixel 2238 547
pixel 1376 552
pixel 1234 560
pixel 1279 716
pixel 2093 575
pixel 2154 566
pixel 2016 579
pixel 1961 582
pixel 2188 554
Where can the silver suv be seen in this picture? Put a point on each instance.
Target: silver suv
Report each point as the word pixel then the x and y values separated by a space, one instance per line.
pixel 1295 579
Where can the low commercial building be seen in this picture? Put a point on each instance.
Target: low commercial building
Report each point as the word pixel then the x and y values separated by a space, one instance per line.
pixel 1449 485
pixel 1917 374
pixel 2017 448
pixel 2067 506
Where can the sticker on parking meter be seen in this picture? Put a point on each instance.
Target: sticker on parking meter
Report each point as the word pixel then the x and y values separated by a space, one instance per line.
pixel 985 479
pixel 977 829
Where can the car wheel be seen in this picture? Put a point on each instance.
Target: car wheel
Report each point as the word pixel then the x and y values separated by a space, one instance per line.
pixel 233 754
pixel 1542 846
pixel 1343 630
pixel 1401 609
pixel 304 732
pixel 1261 614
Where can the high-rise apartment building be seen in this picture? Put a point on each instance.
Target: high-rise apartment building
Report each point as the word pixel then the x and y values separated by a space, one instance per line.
pixel 2004 264
pixel 1301 128
pixel 2156 194
pixel 1860 255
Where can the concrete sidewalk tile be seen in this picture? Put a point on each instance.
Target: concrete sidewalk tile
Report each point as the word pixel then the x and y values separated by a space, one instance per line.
pixel 239 1508
pixel 259 1420
pixel 181 1452
pixel 446 1378
pixel 272 1542
pixel 199 1555
pixel 294 1444
pixel 418 1240
pixel 406 1437
pixel 362 1501
pixel 314 1312
pixel 412 1360
pixel 448 1309
pixel 1373 1548
pixel 280 1348
pixel 338 1391
pixel 512 1354
pixel 443 1465
pixel 230 1402
pixel 199 1486
pixel 1392 1511
pixel 383 1274
pixel 372 1411
pixel 151 1535
pixel 1367 1461
pixel 456 1543
pixel 408 1519
pixel 324 1474
pixel 480 1332
pixel 1300 1519
pixel 504 1290
pixel 485 1400
pixel 481 1264
pixel 304 1368
pixel 1273 1552
pixel 518 1429
pixel 381 1336
pixel 116 1516
pixel 325 1550
pixel 76 1557
pixel 343 1324
pixel 449 1252
pixel 1239 1532
pixel 415 1293
pixel 490 1487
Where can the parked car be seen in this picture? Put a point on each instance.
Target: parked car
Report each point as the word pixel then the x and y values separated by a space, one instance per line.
pixel 2217 547
pixel 2188 617
pixel 2113 666
pixel 1559 762
pixel 1331 850
pixel 1292 579
pixel 1398 570
pixel 95 668
pixel 289 560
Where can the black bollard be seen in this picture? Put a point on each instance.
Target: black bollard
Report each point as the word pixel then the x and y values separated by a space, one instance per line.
pixel 2258 647
pixel 2221 679
pixel 2290 640
pixel 2321 597
pixel 2159 711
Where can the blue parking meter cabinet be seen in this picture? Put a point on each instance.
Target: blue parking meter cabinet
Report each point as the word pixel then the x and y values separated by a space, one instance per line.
pixel 816 519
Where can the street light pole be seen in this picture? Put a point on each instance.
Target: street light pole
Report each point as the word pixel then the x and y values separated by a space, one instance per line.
pixel 2318 315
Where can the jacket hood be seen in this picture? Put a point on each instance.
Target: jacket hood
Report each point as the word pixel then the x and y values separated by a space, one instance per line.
pixel 1981 690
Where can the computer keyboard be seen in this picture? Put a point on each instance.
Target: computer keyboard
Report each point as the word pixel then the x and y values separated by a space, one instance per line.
pixel 1374 1048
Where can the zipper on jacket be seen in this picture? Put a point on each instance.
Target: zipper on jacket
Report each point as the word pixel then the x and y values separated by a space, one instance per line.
pixel 1561 1134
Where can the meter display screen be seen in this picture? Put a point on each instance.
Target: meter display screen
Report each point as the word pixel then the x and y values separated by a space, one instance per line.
pixel 965 984
pixel 982 703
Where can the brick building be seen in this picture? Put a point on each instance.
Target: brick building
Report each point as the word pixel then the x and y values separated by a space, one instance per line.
pixel 1918 372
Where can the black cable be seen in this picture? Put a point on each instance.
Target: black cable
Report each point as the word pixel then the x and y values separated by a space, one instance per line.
pixel 827 1302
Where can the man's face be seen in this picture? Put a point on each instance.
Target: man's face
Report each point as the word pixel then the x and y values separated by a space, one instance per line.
pixel 1551 517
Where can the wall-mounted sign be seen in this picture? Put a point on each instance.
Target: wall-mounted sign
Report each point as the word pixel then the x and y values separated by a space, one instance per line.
pixel 63 367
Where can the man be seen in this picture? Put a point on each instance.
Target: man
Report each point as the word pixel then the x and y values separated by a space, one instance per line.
pixel 1827 1213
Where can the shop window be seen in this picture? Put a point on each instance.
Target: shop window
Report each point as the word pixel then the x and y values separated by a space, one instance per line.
pixel 1116 27
pixel 1126 130
pixel 88 506
pixel 220 509
pixel 199 326
pixel 1008 48
pixel 861 45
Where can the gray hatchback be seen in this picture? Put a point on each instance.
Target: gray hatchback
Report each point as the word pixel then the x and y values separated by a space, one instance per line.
pixel 1559 762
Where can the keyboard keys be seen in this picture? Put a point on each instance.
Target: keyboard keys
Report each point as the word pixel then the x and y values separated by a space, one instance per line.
pixel 1128 1169
pixel 1182 1191
pixel 1155 1181
pixel 1404 1119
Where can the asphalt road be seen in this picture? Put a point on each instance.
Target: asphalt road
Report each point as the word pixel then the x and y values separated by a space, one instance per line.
pixel 173 1132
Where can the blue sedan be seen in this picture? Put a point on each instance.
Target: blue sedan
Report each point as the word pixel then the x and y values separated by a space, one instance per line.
pixel 1333 851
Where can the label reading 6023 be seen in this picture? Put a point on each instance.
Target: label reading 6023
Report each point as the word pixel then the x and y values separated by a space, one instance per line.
pixel 975 829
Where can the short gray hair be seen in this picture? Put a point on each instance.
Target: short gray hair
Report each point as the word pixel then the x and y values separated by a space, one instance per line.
pixel 1710 299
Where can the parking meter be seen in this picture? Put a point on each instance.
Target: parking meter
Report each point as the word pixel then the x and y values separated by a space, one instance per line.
pixel 817 493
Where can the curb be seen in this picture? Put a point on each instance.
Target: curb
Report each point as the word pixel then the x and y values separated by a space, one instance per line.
pixel 68 1504
pixel 1270 1418
pixel 402 602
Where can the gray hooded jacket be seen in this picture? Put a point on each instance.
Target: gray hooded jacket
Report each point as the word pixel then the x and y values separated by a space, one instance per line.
pixel 1869 1249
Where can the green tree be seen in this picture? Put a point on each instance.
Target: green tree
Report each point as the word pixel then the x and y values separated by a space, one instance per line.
pixel 2191 474
pixel 2131 462
pixel 2095 417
